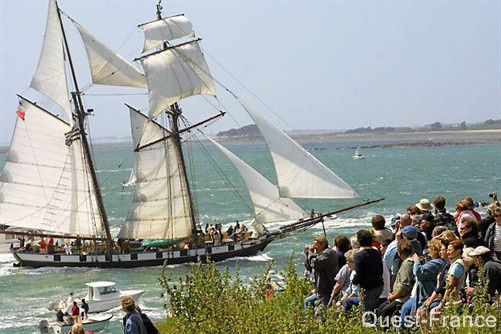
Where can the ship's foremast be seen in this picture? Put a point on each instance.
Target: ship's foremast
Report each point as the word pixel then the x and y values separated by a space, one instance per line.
pixel 79 118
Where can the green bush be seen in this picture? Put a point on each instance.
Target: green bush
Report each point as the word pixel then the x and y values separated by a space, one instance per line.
pixel 208 300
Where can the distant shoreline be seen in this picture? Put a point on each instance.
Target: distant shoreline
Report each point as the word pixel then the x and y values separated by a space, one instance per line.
pixel 341 135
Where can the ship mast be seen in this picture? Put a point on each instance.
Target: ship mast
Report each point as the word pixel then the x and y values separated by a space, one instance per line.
pixel 80 115
pixel 174 112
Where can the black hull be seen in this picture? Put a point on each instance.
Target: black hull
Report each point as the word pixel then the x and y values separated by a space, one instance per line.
pixel 134 261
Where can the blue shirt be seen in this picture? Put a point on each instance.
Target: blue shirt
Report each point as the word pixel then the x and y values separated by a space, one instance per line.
pixel 134 324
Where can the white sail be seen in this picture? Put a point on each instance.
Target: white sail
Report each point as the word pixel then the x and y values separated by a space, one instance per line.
pixel 131 181
pixel 268 206
pixel 160 208
pixel 108 67
pixel 299 173
pixel 176 73
pixel 50 75
pixel 45 183
pixel 165 30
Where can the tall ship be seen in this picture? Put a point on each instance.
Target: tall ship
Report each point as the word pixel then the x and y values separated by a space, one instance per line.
pixel 49 187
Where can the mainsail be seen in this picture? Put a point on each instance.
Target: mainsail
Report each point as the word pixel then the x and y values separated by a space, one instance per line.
pixel 108 67
pixel 165 30
pixel 160 209
pixel 299 174
pixel 176 73
pixel 45 183
pixel 268 206
pixel 50 75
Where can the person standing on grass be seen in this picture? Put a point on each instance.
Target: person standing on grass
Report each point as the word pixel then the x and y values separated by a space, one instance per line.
pixel 326 268
pixel 132 322
pixel 368 270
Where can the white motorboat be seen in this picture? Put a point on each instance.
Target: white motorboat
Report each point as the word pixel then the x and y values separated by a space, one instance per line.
pixel 102 296
pixel 358 155
pixel 94 324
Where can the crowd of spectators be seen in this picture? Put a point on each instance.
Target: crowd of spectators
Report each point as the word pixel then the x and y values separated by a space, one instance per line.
pixel 424 260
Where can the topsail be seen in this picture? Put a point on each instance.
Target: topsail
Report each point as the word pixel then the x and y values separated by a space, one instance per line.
pixel 50 75
pixel 166 30
pixel 108 67
pixel 176 73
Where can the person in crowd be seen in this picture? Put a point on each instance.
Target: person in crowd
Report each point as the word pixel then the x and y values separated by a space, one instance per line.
pixel 60 315
pixel 67 319
pixel 70 299
pixel 434 299
pixel 43 245
pixel 386 275
pixel 491 270
pixel 427 225
pixel 411 233
pixel 403 283
pixel 493 234
pixel 68 248
pixel 463 210
pixel 310 274
pixel 448 236
pixel 354 243
pixel 438 230
pixel 390 256
pixel 471 206
pixel 341 246
pixel 413 210
pixel 368 270
pixel 484 223
pixel 471 275
pixel 75 312
pixel 455 277
pixel 132 322
pixel 381 233
pixel 351 295
pixel 77 329
pixel 85 309
pixel 148 324
pixel 395 224
pixel 426 274
pixel 343 276
pixel 229 231
pixel 442 217
pixel 424 206
pixel 468 232
pixel 326 268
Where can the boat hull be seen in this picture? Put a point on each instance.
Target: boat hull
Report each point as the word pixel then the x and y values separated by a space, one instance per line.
pixel 103 305
pixel 144 259
pixel 95 325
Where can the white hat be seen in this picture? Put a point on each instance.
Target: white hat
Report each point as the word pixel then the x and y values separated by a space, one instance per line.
pixel 424 205
pixel 480 250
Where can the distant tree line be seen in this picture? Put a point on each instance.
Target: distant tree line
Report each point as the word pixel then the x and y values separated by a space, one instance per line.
pixel 252 131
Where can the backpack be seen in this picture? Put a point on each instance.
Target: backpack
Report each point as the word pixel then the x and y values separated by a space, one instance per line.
pixel 148 324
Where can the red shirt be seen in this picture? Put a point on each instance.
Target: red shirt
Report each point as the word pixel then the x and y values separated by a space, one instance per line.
pixel 75 310
pixel 42 244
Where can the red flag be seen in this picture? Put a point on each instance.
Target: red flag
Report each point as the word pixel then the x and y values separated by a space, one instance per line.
pixel 21 114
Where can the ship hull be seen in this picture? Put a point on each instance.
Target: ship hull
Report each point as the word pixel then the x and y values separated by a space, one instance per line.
pixel 144 259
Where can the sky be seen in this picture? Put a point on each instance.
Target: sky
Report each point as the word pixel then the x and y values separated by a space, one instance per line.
pixel 304 64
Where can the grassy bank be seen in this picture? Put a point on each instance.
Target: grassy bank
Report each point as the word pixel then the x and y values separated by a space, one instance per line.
pixel 208 300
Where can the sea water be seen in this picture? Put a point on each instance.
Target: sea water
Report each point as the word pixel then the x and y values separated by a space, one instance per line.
pixel 402 175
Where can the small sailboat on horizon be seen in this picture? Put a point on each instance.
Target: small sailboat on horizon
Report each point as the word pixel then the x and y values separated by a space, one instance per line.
pixel 358 155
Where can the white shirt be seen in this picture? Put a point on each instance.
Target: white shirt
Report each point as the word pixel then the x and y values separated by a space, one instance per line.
pixel 386 281
pixel 497 238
